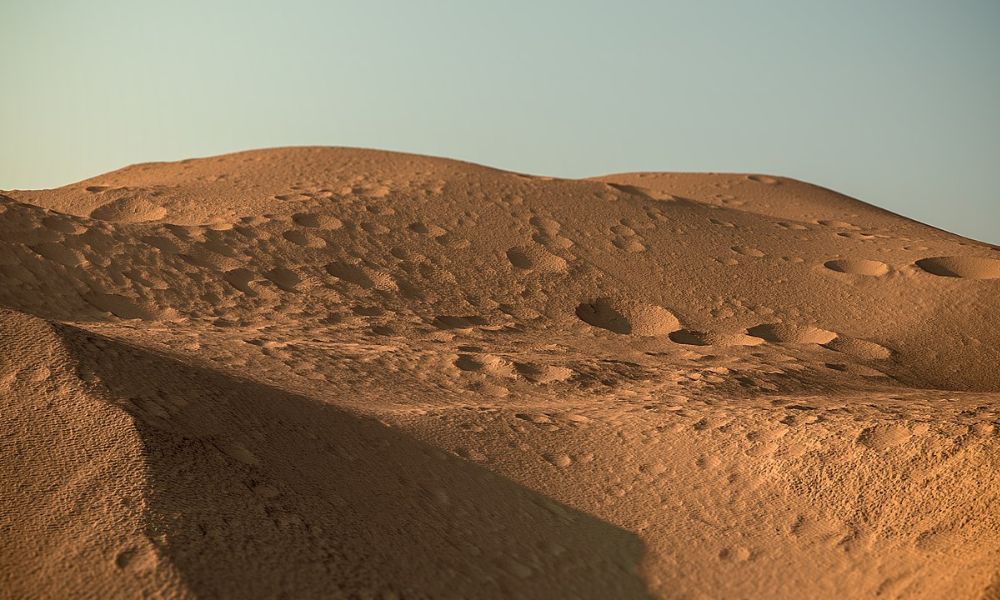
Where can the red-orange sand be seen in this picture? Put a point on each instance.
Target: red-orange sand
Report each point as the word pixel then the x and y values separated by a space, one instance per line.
pixel 328 372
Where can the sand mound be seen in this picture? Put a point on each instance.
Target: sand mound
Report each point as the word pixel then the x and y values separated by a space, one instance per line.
pixel 332 372
pixel 628 317
pixel 965 267
pixel 72 459
pixel 129 210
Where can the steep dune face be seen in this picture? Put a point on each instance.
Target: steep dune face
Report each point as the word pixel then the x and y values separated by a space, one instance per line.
pixel 367 372
pixel 73 473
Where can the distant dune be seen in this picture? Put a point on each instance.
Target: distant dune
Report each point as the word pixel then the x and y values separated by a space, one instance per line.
pixel 334 372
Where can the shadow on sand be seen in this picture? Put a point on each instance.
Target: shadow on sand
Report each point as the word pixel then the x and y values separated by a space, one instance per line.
pixel 256 492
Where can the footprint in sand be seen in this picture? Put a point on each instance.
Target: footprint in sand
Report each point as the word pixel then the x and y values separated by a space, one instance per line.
pixel 350 273
pixel 765 179
pixel 838 224
pixel 644 192
pixel 628 317
pixel 859 348
pixel 240 279
pixel 486 363
pixel 791 226
pixel 60 253
pixel 630 244
pixel 884 437
pixel 286 279
pixel 543 374
pixel 690 337
pixel 459 322
pixel 870 268
pixel 317 221
pixel 304 239
pixel 427 229
pixel 549 227
pixel 787 333
pixel 536 258
pixel 127 308
pixel 962 267
pixel 748 251
pixel 63 225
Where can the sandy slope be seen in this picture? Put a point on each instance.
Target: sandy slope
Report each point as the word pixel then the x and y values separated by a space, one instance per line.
pixel 349 373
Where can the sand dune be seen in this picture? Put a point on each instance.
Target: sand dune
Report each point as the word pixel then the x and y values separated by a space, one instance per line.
pixel 331 372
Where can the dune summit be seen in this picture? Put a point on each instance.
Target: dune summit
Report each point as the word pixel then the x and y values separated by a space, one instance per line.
pixel 330 372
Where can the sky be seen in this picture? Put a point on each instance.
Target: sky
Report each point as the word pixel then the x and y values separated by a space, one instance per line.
pixel 895 102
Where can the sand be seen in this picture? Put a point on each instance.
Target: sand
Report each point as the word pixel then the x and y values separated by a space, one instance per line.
pixel 332 372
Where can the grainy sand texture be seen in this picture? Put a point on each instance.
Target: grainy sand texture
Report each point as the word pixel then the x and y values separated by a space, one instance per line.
pixel 344 373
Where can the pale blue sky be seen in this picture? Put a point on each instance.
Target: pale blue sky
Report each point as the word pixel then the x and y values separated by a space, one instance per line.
pixel 894 102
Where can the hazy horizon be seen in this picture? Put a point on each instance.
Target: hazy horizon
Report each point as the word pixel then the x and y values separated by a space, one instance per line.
pixel 894 104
